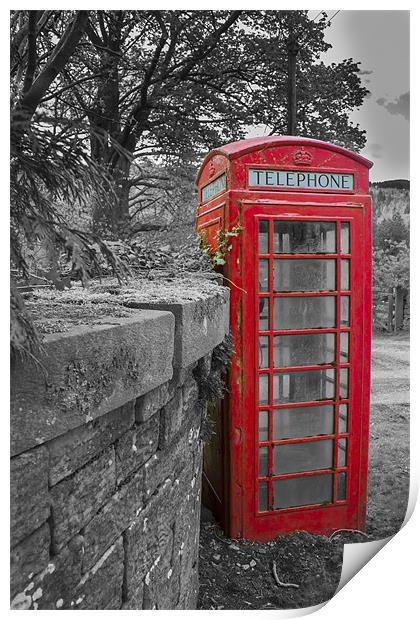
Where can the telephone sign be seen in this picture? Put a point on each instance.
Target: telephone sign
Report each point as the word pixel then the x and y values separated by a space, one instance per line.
pixel 213 188
pixel 300 179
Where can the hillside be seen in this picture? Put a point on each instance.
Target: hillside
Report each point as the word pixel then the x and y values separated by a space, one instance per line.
pixel 393 183
pixel 390 200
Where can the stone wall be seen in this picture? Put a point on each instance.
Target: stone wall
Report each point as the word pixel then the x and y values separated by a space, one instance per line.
pixel 106 461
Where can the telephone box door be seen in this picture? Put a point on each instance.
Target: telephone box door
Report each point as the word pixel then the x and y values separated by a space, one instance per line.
pixel 303 346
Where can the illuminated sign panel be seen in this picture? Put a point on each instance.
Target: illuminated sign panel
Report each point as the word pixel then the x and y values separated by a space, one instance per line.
pixel 300 179
pixel 213 188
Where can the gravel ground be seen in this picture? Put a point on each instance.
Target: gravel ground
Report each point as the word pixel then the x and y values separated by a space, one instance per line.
pixel 245 575
pixel 390 369
pixel 389 459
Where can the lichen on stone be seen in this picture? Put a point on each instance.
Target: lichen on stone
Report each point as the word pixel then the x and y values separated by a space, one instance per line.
pixel 87 383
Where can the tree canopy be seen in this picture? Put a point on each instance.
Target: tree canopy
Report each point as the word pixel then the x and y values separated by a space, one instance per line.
pixel 106 104
pixel 173 84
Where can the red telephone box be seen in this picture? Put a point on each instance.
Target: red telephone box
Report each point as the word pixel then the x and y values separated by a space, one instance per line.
pixel 291 444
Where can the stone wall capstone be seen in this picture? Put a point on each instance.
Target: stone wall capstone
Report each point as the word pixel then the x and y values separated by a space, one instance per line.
pixel 106 461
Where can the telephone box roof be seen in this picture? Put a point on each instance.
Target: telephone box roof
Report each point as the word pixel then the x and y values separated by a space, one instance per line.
pixel 233 150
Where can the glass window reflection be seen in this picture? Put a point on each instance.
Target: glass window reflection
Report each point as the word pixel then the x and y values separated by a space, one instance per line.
pixel 303 386
pixel 303 491
pixel 304 312
pixel 304 274
pixel 263 237
pixel 298 237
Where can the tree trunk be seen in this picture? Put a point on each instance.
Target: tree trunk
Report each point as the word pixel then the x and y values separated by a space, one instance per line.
pixel 292 52
pixel 105 132
pixel 121 215
pixel 113 215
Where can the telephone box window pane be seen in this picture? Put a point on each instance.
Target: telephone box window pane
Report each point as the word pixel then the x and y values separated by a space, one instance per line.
pixel 263 237
pixel 303 386
pixel 263 383
pixel 344 347
pixel 263 351
pixel 345 274
pixel 341 486
pixel 345 311
pixel 304 350
pixel 304 237
pixel 303 422
pixel 280 383
pixel 304 312
pixel 345 238
pixel 263 426
pixel 263 496
pixel 263 275
pixel 344 383
pixel 263 462
pixel 294 457
pixel 304 491
pixel 342 453
pixel 343 419
pixel 264 309
pixel 304 274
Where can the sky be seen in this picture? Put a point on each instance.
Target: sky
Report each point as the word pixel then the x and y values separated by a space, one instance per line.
pixel 380 40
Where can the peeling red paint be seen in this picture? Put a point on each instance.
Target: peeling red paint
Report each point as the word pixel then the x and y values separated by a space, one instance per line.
pixel 243 517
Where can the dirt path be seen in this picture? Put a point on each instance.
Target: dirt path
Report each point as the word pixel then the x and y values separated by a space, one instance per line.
pixel 241 575
pixel 390 370
pixel 389 435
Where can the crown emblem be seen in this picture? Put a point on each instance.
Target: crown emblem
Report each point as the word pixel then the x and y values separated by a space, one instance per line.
pixel 302 157
pixel 212 169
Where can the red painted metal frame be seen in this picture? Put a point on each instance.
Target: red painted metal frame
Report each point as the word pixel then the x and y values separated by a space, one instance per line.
pixel 243 205
pixel 280 514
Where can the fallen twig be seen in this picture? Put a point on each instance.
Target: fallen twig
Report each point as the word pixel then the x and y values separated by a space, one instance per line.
pixel 281 583
pixel 227 542
pixel 348 530
pixel 233 284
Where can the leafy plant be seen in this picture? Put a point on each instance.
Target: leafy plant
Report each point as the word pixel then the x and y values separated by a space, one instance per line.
pixel 391 266
pixel 223 245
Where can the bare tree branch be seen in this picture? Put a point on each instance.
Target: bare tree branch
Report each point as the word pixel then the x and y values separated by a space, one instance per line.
pixel 207 46
pixel 62 52
pixel 32 55
pixel 136 113
pixel 71 86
